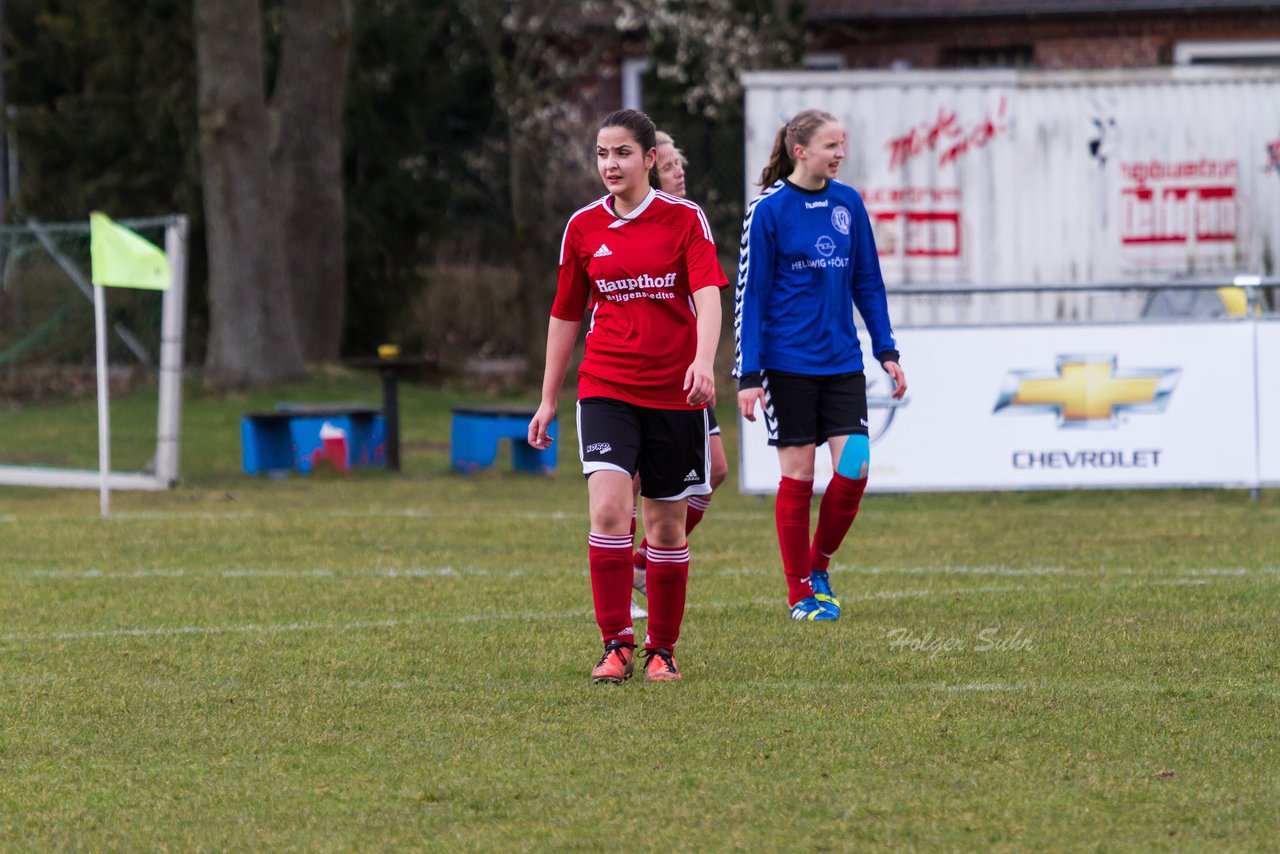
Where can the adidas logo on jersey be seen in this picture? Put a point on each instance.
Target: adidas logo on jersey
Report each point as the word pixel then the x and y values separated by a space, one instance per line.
pixel 602 251
pixel 692 476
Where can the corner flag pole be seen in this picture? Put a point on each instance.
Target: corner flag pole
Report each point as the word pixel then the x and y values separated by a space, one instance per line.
pixel 120 258
pixel 104 418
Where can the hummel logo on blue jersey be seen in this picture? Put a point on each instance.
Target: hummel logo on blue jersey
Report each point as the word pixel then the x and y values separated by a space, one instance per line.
pixel 602 251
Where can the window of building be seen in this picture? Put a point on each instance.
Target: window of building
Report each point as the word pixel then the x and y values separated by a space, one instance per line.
pixel 633 71
pixel 999 56
pixel 1227 53
pixel 823 61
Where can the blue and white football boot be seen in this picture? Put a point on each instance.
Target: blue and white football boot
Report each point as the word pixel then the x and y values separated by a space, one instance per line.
pixel 820 581
pixel 809 608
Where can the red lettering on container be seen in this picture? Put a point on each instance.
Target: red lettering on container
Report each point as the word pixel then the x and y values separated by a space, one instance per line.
pixel 1174 214
pixel 947 136
pixel 917 234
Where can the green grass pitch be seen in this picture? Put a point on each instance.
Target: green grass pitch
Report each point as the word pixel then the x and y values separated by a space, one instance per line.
pixel 379 662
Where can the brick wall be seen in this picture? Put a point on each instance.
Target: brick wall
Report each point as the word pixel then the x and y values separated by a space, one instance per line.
pixel 1101 52
pixel 1108 41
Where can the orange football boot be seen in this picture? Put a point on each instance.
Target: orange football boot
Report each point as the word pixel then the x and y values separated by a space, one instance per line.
pixel 616 665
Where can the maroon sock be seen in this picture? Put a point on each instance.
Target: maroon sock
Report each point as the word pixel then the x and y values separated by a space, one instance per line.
pixel 835 515
pixel 640 561
pixel 610 560
pixel 792 517
pixel 668 578
pixel 698 505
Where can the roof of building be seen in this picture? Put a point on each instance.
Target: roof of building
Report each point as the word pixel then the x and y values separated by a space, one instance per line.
pixel 832 10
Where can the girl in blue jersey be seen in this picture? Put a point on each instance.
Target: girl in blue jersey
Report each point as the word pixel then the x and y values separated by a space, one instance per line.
pixel 808 258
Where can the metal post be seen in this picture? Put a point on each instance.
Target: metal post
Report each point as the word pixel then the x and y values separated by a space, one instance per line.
pixel 391 414
pixel 4 127
pixel 172 322
pixel 104 396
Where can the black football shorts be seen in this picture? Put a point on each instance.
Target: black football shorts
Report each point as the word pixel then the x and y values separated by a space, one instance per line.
pixel 800 409
pixel 667 447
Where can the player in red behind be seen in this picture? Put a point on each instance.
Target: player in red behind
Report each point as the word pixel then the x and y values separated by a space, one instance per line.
pixel 645 264
pixel 670 179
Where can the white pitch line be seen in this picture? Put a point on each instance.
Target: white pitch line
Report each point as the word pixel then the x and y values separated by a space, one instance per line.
pixel 1083 687
pixel 965 570
pixel 392 572
pixel 1019 572
pixel 94 574
pixel 278 628
pixel 1182 577
pixel 403 513
pixel 186 515
pixel 986 687
pixel 283 628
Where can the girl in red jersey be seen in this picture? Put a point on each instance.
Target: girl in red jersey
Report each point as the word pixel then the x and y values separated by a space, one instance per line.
pixel 670 179
pixel 645 264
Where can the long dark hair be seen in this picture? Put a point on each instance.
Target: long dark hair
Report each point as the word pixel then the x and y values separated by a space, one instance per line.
pixel 640 126
pixel 798 131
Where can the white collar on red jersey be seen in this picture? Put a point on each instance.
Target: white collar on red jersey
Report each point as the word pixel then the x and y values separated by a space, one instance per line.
pixel 623 220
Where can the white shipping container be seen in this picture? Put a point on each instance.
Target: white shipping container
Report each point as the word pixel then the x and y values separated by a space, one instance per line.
pixel 980 179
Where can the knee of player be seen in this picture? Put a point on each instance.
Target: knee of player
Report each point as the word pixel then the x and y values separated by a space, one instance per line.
pixel 604 519
pixel 855 459
pixel 719 472
pixel 610 515
pixel 665 533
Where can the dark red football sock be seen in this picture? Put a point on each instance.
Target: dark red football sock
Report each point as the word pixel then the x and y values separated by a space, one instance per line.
pixel 640 561
pixel 792 517
pixel 610 560
pixel 668 578
pixel 835 515
pixel 698 505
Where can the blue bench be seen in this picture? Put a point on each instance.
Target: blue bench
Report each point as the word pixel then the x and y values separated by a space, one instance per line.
pixel 300 437
pixel 476 431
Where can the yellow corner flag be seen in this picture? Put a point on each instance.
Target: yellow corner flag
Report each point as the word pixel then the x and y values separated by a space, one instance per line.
pixel 124 259
pixel 1236 301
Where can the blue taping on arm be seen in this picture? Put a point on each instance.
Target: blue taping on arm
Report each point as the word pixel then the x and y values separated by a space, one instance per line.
pixel 855 459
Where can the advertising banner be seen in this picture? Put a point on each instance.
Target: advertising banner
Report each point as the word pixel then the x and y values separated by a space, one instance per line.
pixel 1036 407
pixel 1269 401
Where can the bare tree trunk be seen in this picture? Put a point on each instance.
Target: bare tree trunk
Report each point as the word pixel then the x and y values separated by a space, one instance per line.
pixel 252 338
pixel 310 95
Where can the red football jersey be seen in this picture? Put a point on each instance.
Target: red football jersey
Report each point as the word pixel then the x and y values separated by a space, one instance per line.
pixel 638 273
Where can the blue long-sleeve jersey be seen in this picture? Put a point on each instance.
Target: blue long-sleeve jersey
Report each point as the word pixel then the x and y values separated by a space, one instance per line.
pixel 808 257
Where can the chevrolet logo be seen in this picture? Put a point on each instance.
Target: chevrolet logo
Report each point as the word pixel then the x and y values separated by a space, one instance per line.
pixel 1087 391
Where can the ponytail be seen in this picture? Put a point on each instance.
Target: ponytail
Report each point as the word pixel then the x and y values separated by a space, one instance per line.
pixel 798 131
pixel 779 161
